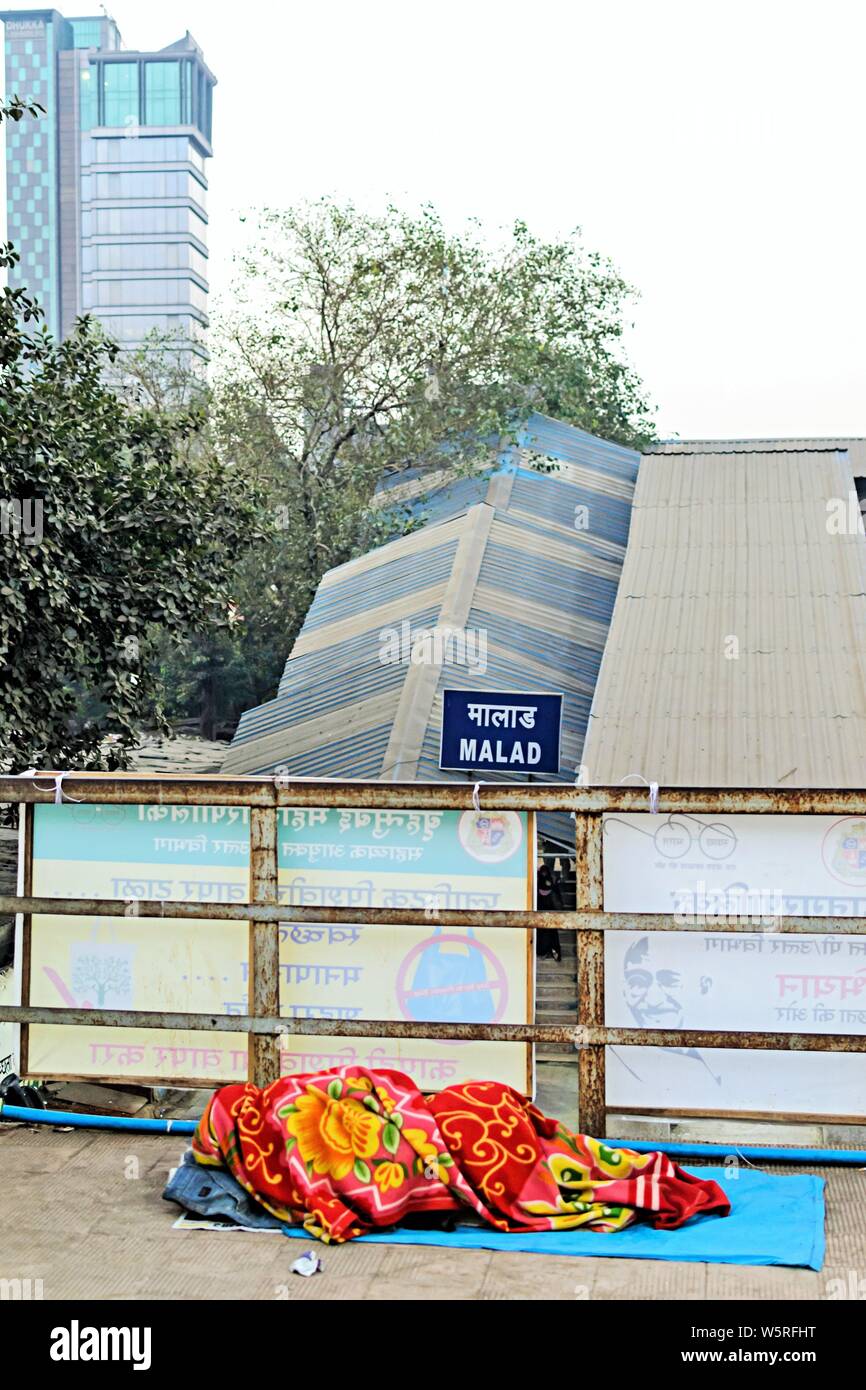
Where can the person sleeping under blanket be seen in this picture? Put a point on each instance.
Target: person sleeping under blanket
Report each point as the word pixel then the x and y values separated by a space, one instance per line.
pixel 352 1150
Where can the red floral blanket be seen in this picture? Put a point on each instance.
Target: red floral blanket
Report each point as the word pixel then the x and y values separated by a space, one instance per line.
pixel 350 1150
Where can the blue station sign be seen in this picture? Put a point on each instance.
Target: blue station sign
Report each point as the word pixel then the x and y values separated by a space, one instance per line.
pixel 509 731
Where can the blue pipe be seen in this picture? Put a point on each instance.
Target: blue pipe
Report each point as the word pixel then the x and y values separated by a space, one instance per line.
pixel 78 1121
pixel 849 1157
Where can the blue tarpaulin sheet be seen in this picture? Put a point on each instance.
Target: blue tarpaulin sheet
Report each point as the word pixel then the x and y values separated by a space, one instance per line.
pixel 774 1220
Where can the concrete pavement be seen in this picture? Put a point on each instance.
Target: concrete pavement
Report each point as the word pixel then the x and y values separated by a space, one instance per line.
pixel 82 1212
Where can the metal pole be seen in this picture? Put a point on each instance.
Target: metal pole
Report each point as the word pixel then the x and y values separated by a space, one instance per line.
pixel 133 789
pixel 264 946
pixel 591 1098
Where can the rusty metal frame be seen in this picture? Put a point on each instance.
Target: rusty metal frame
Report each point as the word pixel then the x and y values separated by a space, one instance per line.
pixel 264 796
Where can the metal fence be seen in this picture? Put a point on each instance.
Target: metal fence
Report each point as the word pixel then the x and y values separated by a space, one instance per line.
pixel 264 797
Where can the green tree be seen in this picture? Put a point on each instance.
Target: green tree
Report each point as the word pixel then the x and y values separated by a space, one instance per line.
pixel 118 528
pixel 361 346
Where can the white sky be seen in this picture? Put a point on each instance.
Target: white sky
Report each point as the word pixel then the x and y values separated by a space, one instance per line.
pixel 714 151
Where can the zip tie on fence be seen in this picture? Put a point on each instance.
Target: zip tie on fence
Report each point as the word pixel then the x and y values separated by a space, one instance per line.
pixel 653 790
pixel 59 794
pixel 475 802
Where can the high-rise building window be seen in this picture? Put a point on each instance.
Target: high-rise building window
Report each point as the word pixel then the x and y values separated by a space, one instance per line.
pixel 158 183
pixel 162 93
pixel 105 197
pixel 188 115
pixel 121 94
pixel 86 33
pixel 148 255
pixel 89 97
pixel 136 221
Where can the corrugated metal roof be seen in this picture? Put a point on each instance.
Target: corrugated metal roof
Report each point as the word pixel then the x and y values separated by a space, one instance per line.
pixel 855 447
pixel 505 555
pixel 737 651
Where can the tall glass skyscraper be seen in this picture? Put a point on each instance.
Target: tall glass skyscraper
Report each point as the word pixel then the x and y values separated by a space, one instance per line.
pixel 106 193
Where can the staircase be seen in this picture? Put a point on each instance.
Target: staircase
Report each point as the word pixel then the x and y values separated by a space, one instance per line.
pixel 556 985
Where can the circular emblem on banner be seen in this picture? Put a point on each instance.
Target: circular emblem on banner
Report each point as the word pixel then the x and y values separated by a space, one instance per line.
pixel 490 836
pixel 717 841
pixel 673 838
pixel 452 978
pixel 844 850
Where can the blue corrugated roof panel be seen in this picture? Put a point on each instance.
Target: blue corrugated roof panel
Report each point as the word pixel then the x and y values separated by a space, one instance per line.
pixel 552 549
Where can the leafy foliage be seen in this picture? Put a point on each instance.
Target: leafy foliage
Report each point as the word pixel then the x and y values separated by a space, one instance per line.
pixel 117 526
pixel 362 346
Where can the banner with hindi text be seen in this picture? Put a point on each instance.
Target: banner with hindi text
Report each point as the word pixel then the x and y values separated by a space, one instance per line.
pixel 751 868
pixel 414 859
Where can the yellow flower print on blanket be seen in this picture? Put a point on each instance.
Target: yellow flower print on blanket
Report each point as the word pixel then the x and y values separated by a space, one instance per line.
pixel 352 1149
pixel 333 1132
pixel 389 1174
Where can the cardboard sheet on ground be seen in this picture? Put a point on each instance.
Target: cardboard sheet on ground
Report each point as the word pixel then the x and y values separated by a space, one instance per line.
pixel 774 1220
